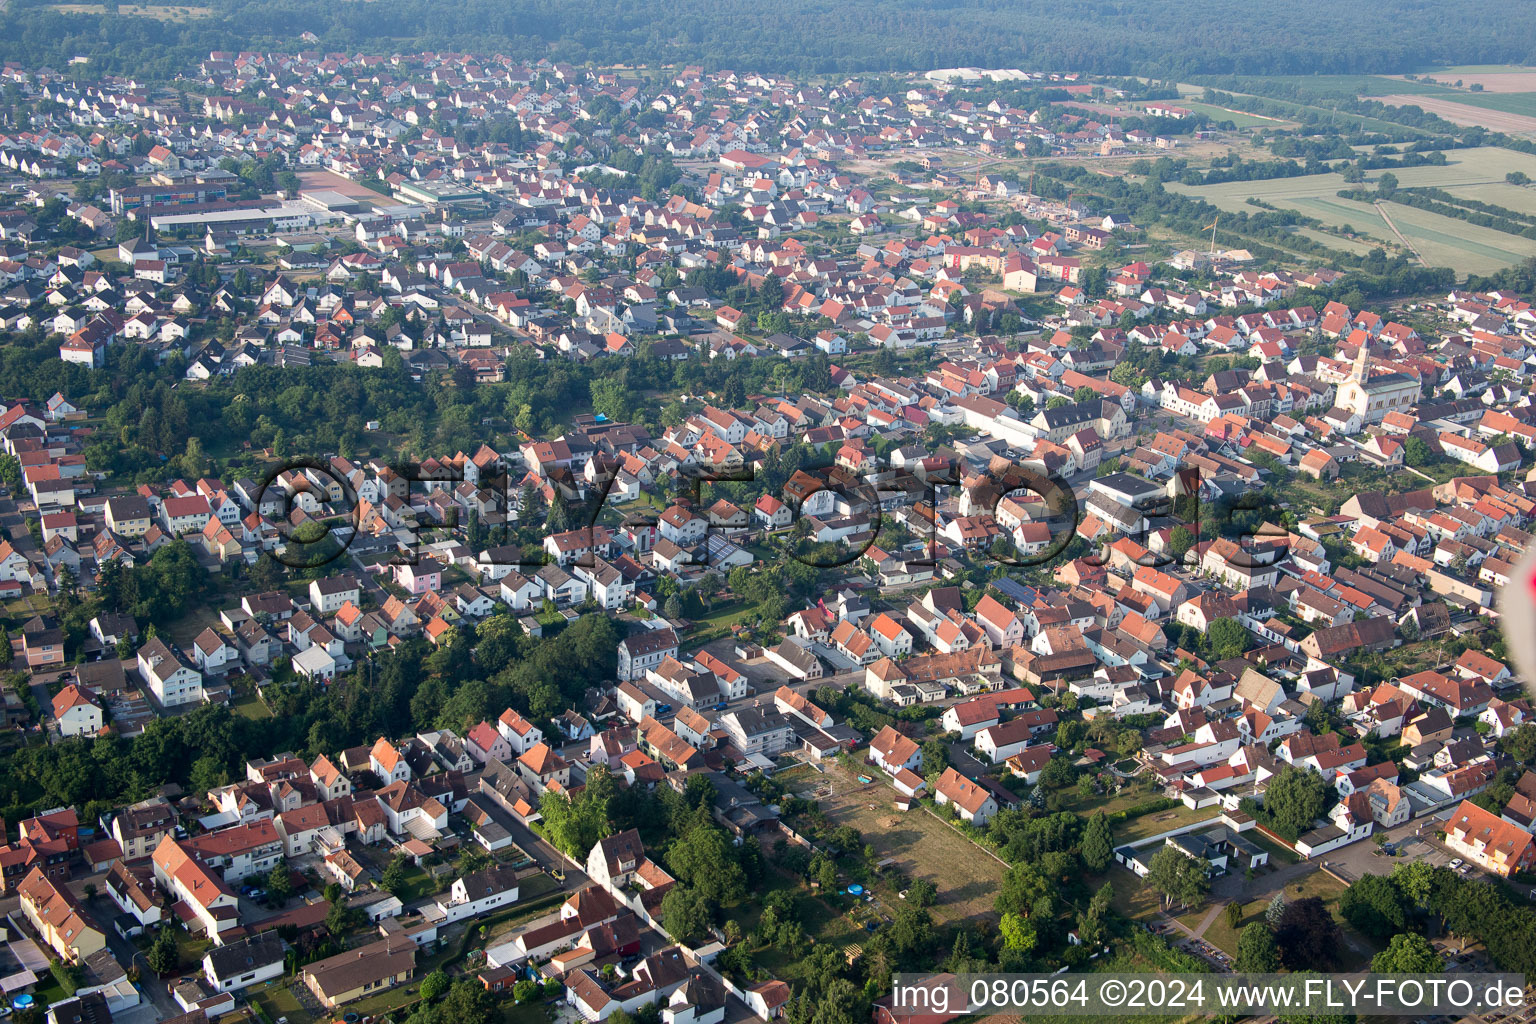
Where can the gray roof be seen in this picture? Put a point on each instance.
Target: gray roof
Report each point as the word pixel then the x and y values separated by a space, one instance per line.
pixel 260 950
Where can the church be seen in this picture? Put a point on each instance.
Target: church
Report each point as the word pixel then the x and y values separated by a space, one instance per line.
pixel 1371 398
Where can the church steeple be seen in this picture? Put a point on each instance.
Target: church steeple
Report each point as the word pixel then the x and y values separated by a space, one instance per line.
pixel 1363 363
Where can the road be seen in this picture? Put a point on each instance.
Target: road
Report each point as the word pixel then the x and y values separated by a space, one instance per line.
pixel 1381 209
pixel 150 984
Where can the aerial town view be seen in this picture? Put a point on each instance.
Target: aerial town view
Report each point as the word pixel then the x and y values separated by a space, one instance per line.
pixel 681 514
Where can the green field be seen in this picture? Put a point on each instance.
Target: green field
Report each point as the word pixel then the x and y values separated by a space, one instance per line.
pixel 1237 117
pixel 1191 94
pixel 1357 85
pixel 1442 241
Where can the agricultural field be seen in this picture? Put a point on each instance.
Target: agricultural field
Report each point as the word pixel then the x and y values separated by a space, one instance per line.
pixel 1237 117
pixel 1440 240
pixel 160 12
pixel 921 845
pixel 1468 109
pixel 1506 102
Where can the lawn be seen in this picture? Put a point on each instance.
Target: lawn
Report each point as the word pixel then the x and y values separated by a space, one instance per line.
pixel 251 706
pixel 185 629
pixel 1162 821
pixel 277 1001
pixel 1357 949
pixel 722 616
pixel 528 908
pixel 523 1013
pixel 1124 800
pixel 418 883
pixel 1133 899
pixel 919 844
pixel 384 1002
pixel 531 887
pixel 1277 854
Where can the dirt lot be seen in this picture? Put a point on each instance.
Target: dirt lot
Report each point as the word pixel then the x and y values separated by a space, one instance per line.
pixel 922 846
pixel 331 181
pixel 1464 113
pixel 1491 81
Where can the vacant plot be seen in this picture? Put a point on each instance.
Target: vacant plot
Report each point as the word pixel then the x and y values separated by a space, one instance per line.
pixel 1465 112
pixel 919 844
pixel 156 11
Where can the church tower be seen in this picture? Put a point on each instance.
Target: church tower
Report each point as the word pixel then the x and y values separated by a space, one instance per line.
pixel 1363 364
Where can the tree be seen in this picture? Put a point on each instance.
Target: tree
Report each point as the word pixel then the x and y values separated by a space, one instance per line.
pixel 1256 950
pixel 576 824
pixel 685 915
pixel 1308 936
pixel 912 930
pixel 1408 953
pixel 467 1002
pixel 393 881
pixel 164 956
pixel 1386 184
pixel 1084 394
pixel 1274 909
pixel 473 859
pixel 704 860
pixel 341 919
pixel 1417 453
pixel 1178 878
pixel 1520 744
pixel 1018 933
pixel 1295 798
pixel 935 756
pixel 1375 906
pixel 1098 844
pixel 922 893
pixel 435 985
pixel 1180 540
pixel 1227 638
pixel 1234 914
pixel 67 975
pixel 279 884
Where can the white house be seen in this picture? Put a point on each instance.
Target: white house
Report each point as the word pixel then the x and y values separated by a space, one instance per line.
pixel 170 679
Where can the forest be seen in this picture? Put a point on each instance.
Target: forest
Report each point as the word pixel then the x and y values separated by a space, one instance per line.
pixel 1159 37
